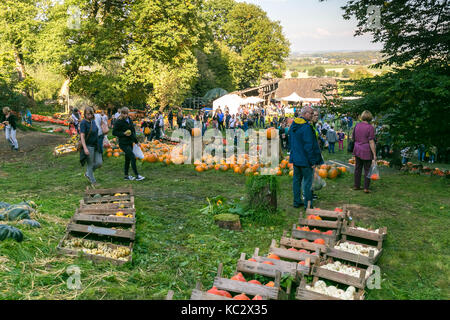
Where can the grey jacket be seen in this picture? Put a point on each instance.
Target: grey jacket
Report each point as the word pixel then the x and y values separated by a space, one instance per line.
pixel 331 136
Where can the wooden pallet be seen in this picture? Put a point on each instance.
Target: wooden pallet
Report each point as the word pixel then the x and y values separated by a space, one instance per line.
pixel 102 231
pixel 351 230
pixel 272 293
pixel 96 258
pixel 108 199
pixel 356 258
pixel 296 256
pixel 267 270
pixel 319 272
pixel 300 234
pixel 305 294
pixel 103 217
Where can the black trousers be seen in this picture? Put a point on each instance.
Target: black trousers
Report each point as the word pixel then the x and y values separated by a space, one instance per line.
pixel 129 158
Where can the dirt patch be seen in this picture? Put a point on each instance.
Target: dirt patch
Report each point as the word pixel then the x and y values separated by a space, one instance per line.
pixel 363 214
pixel 29 143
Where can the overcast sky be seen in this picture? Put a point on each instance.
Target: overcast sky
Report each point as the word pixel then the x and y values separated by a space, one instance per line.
pixel 311 25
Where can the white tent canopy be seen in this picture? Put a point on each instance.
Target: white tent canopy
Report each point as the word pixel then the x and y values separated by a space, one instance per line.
pixel 294 97
pixel 232 101
pixel 253 100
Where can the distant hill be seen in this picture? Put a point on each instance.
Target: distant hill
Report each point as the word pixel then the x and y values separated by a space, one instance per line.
pixel 356 55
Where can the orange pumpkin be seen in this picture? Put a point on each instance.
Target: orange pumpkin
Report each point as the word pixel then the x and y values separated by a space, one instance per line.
pixel 241 296
pixel 332 173
pixel 196 132
pixel 109 154
pixel 271 133
pixel 323 173
pixel 319 241
pixel 273 256
pixel 199 169
pixel 116 154
pixel 375 177
pixel 270 284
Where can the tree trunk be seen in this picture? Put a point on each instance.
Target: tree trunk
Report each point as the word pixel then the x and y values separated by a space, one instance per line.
pixel 64 95
pixel 20 65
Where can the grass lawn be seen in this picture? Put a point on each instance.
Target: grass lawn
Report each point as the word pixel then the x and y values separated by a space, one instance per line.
pixel 176 245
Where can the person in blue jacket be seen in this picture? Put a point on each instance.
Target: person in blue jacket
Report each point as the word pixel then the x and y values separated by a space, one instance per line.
pixel 304 155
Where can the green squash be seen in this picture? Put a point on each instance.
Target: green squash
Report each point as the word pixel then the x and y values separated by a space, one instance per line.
pixel 10 232
pixel 17 213
pixel 31 223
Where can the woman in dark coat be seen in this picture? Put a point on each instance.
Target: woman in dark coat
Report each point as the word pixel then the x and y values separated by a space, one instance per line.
pixel 124 130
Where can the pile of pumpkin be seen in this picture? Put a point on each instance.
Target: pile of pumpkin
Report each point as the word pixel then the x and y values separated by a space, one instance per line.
pixel 113 150
pixel 330 171
pixel 419 169
pixel 69 147
pixel 39 118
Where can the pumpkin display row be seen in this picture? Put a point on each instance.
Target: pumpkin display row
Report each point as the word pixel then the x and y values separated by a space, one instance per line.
pixel 39 118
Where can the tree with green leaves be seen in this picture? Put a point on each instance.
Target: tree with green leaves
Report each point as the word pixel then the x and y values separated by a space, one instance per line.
pixel 19 25
pixel 346 73
pixel 318 71
pixel 413 98
pixel 294 74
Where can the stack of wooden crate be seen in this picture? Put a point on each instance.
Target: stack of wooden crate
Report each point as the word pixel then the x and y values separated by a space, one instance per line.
pixel 308 253
pixel 105 224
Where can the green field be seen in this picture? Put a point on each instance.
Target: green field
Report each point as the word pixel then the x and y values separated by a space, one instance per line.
pixel 176 245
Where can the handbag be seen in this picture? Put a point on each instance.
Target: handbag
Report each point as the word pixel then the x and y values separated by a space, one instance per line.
pixel 351 142
pixel 105 128
pixel 138 151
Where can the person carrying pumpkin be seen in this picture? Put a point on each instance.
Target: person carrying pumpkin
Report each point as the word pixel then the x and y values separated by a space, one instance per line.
pixel 124 130
pixel 147 126
pixel 304 155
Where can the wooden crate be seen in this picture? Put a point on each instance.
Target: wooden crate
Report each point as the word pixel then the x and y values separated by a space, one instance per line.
pixel 351 230
pixel 108 199
pixel 329 214
pixel 267 270
pixel 101 231
pixel 296 243
pixel 110 192
pixel 319 272
pixel 96 258
pixel 272 293
pixel 305 294
pixel 296 256
pixel 104 216
pixel 356 258
pixel 300 234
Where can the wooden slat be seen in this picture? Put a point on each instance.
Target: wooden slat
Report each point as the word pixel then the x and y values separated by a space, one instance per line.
pixel 326 213
pixel 340 277
pixel 109 199
pixel 103 219
pixel 101 231
pixel 359 259
pixel 320 223
pixel 299 234
pixel 128 190
pixel 287 254
pixel 290 242
pixel 112 206
pixel 303 294
pixel 200 295
pixel 247 288
pixel 106 212
pixel 267 270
